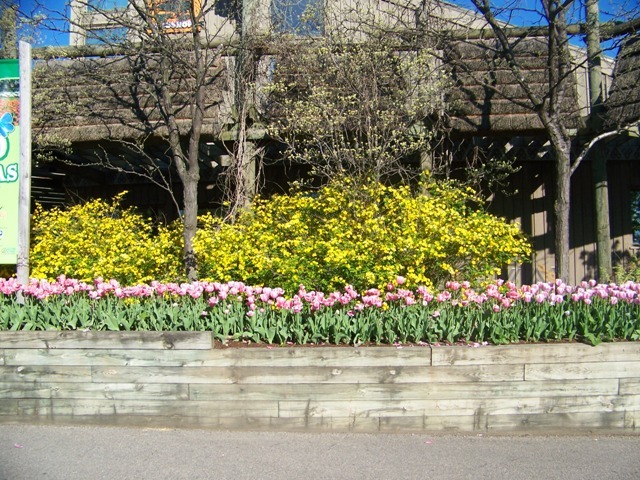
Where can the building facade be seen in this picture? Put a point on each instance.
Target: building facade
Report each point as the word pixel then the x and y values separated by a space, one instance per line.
pixel 484 116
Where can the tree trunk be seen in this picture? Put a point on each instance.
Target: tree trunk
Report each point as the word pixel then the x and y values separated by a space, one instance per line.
pixel 190 223
pixel 561 210
pixel 603 231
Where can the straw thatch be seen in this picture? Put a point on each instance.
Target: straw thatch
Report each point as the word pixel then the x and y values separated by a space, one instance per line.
pixel 623 105
pixel 487 98
pixel 92 99
pixel 77 101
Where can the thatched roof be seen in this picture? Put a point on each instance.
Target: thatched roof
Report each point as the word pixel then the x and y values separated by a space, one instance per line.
pixel 91 99
pixel 487 97
pixel 623 105
pixel 76 101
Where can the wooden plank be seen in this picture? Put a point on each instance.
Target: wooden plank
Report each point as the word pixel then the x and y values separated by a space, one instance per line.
pixel 463 407
pixel 312 375
pixel 632 420
pixel 2 358
pixel 225 423
pixel 536 353
pixel 426 423
pixel 379 356
pixel 629 403
pixel 630 386
pixel 8 407
pixel 103 340
pixel 144 421
pixel 544 423
pixel 325 424
pixel 119 357
pixel 330 357
pixel 523 389
pixel 402 391
pixel 82 390
pixel 176 375
pixel 64 406
pixel 259 357
pixel 37 374
pixel 524 207
pixel 561 423
pixel 69 357
pixel 575 371
pixel 303 391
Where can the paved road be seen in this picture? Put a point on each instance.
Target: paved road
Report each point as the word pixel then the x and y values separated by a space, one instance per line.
pixel 88 453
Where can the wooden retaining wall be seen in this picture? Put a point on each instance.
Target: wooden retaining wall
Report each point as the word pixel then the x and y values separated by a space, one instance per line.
pixel 166 379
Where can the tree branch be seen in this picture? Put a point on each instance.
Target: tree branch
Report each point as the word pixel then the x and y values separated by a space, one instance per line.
pixel 585 151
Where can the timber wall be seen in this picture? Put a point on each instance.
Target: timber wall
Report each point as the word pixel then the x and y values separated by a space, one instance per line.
pixel 531 205
pixel 168 379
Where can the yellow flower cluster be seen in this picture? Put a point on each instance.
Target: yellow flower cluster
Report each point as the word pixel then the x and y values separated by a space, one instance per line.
pixel 359 235
pixel 101 239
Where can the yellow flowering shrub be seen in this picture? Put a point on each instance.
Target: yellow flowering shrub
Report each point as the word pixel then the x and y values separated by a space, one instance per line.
pixel 101 239
pixel 363 236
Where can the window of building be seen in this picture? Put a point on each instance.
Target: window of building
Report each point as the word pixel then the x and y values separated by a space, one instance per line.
pixel 231 9
pixel 300 17
pixel 106 36
pixel 635 216
pixel 105 5
pixel 174 15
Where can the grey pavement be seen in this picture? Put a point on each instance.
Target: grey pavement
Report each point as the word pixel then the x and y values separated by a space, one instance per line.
pixel 67 453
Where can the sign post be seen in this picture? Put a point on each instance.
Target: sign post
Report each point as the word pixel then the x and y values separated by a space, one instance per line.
pixel 24 204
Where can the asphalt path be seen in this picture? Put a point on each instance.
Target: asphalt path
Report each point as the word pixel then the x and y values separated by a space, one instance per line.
pixel 87 453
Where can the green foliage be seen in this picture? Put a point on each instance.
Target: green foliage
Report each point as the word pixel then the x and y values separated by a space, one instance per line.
pixel 8 26
pixel 627 269
pixel 101 239
pixel 359 235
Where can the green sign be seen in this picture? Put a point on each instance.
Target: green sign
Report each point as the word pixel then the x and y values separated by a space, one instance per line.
pixel 9 159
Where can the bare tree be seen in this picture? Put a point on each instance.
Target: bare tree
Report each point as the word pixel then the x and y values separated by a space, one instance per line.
pixel 356 100
pixel 8 26
pixel 552 27
pixel 364 93
pixel 161 66
pixel 241 178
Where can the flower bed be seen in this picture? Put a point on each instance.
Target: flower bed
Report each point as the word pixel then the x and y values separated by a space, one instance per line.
pixel 86 374
pixel 499 313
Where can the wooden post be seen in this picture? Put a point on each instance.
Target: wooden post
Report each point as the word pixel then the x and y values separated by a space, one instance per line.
pixel 245 100
pixel 249 172
pixel 426 161
pixel 599 162
pixel 601 201
pixel 24 202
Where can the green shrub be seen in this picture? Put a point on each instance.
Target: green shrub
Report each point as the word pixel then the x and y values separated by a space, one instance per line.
pixel 362 236
pixel 627 268
pixel 101 239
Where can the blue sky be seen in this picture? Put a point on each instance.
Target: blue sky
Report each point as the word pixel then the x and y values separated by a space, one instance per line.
pixel 56 10
pixel 528 12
